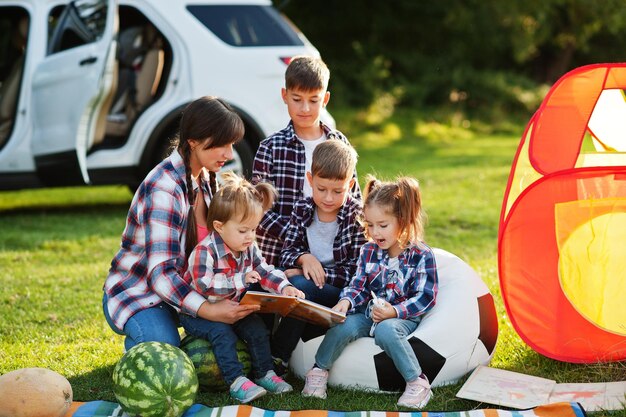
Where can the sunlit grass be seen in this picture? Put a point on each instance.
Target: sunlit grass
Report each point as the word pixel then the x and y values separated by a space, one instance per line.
pixel 56 246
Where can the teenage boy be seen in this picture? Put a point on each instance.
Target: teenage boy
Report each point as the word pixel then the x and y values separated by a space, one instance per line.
pixel 323 239
pixel 284 157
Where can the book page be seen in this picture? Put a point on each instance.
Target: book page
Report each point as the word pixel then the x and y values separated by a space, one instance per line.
pixel 592 396
pixel 270 303
pixel 299 308
pixel 315 313
pixel 506 388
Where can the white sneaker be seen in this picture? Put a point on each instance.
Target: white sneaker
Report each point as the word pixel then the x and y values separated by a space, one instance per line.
pixel 315 383
pixel 417 393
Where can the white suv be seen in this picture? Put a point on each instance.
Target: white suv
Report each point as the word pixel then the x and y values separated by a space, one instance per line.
pixel 91 91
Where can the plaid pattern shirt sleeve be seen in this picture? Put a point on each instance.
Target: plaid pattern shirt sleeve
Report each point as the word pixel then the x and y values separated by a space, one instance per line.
pixel 412 295
pixel 296 242
pixel 356 292
pixel 213 273
pixel 272 279
pixel 148 268
pixel 273 223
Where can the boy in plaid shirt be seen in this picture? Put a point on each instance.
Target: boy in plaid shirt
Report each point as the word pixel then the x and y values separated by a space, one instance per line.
pixel 322 241
pixel 283 158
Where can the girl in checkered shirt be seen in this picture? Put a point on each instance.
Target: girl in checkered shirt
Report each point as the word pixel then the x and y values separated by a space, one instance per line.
pixel 394 286
pixel 222 266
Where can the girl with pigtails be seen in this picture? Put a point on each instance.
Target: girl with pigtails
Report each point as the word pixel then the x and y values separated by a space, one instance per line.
pixel 395 284
pixel 222 266
pixel 145 287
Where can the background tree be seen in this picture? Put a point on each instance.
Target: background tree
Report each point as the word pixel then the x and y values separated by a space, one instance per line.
pixel 470 53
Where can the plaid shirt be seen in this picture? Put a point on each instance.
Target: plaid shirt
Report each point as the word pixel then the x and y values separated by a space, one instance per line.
pixel 346 245
pixel 412 293
pixel 148 268
pixel 280 160
pixel 215 273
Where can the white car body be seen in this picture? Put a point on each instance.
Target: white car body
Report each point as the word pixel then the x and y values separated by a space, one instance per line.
pixel 60 128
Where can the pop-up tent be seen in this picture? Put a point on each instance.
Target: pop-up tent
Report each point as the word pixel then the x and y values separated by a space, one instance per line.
pixel 562 234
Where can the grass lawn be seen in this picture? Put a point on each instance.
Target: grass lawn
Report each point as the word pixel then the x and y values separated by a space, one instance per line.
pixel 56 246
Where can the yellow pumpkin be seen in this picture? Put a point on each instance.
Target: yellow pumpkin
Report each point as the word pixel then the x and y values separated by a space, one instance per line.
pixel 34 392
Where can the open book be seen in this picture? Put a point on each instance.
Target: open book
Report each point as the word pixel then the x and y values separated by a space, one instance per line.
pixel 517 390
pixel 298 308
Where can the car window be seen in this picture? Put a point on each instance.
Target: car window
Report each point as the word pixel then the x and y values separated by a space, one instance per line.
pixel 244 25
pixel 79 23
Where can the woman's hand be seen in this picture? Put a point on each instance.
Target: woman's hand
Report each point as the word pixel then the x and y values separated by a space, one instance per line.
pixel 342 306
pixel 312 269
pixel 292 291
pixel 383 312
pixel 225 311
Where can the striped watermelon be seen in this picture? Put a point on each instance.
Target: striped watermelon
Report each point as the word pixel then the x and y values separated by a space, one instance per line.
pixel 155 379
pixel 209 374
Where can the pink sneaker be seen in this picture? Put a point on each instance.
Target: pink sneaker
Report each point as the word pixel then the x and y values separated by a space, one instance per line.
pixel 417 393
pixel 315 383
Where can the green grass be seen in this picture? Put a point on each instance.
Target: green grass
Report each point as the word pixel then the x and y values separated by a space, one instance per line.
pixel 56 246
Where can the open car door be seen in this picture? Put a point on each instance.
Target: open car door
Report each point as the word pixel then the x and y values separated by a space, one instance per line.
pixel 70 87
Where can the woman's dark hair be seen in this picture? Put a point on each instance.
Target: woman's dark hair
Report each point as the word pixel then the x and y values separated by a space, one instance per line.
pixel 213 122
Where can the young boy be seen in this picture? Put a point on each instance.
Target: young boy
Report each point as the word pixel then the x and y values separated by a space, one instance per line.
pixel 283 158
pixel 322 241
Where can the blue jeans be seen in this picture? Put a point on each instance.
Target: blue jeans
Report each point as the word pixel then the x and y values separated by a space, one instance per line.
pixel 154 324
pixel 390 335
pixel 223 338
pixel 289 330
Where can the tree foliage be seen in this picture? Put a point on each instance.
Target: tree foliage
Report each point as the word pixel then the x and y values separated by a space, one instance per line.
pixel 471 52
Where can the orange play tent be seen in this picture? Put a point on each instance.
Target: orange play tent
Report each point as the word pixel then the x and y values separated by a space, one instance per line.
pixel 562 232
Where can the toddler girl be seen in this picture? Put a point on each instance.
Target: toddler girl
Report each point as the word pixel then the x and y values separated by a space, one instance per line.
pixel 394 285
pixel 222 266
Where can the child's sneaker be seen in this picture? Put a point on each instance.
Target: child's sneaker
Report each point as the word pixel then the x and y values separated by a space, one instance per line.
pixel 273 383
pixel 244 390
pixel 417 393
pixel 315 383
pixel 280 367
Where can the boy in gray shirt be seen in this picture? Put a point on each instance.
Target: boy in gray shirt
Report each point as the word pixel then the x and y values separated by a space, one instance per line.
pixel 323 239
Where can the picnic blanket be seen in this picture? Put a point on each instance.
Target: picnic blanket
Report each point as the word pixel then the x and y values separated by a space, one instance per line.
pixel 110 409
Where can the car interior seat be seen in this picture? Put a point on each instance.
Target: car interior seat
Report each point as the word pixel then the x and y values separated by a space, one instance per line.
pixel 141 60
pixel 10 88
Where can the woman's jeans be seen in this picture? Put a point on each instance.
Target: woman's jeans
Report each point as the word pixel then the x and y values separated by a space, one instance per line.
pixel 223 338
pixel 154 324
pixel 290 330
pixel 390 335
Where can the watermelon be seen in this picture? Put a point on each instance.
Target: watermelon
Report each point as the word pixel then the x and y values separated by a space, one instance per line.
pixel 155 379
pixel 201 354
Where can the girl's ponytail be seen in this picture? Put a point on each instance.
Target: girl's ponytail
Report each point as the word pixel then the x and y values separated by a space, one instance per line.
pixel 267 194
pixel 410 212
pixel 370 184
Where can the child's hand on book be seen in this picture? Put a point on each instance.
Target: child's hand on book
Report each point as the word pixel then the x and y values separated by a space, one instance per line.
pixel 292 291
pixel 342 306
pixel 252 277
pixel 312 269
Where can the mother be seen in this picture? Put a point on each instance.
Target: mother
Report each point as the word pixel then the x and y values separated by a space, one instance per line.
pixel 145 287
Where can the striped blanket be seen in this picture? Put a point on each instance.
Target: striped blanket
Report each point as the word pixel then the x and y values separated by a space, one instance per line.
pixel 109 409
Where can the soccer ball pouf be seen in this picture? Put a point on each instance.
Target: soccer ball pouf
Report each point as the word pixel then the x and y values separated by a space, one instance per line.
pixel 155 379
pixel 454 337
pixel 201 354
